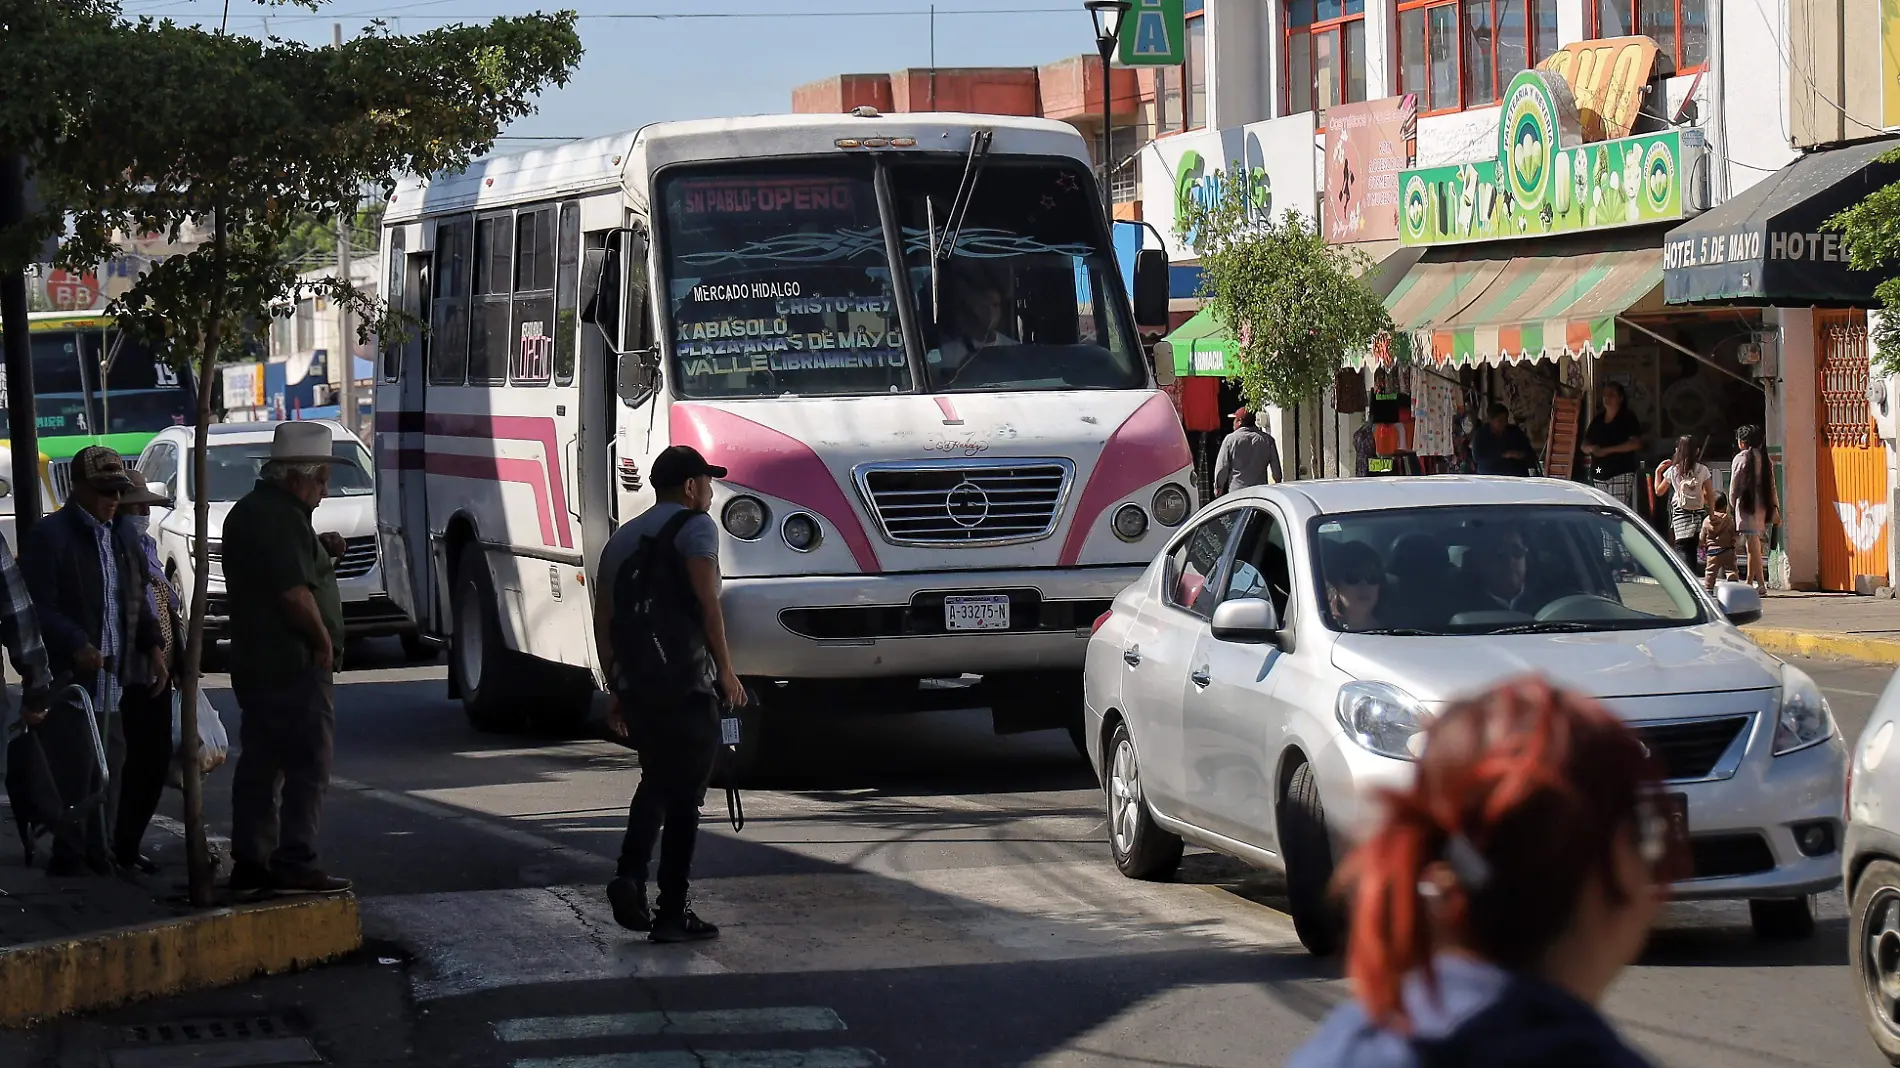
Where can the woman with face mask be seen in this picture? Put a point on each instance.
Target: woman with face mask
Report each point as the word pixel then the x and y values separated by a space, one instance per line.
pixel 148 716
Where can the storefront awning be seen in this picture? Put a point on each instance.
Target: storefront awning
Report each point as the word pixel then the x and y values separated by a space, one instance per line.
pixel 1470 308
pixel 1203 347
pixel 1765 247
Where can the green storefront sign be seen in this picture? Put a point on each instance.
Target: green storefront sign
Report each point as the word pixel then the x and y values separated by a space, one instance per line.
pixel 1154 34
pixel 1545 180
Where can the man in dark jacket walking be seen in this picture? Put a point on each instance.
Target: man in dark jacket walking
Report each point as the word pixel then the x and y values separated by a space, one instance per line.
pixel 87 580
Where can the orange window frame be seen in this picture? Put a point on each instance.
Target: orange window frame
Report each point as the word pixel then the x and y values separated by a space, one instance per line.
pixel 1636 23
pixel 1310 31
pixel 1537 50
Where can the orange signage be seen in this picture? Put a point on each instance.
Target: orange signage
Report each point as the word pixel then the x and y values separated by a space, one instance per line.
pixel 1607 78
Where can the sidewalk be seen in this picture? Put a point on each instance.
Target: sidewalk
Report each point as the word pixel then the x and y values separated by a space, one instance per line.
pixel 72 945
pixel 1841 625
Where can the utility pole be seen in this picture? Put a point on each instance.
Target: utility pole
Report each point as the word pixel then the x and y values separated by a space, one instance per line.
pixel 345 355
pixel 23 428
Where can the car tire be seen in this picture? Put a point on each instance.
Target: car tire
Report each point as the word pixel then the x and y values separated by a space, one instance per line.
pixel 415 650
pixel 1307 848
pixel 478 657
pixel 1142 850
pixel 1873 941
pixel 1782 919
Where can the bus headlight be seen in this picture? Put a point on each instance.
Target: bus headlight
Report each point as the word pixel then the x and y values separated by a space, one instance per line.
pixel 1171 505
pixel 744 518
pixel 801 532
pixel 1130 522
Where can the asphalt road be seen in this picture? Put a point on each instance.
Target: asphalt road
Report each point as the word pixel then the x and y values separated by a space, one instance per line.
pixel 912 891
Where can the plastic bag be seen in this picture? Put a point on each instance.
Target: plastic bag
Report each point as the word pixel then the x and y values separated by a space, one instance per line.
pixel 213 744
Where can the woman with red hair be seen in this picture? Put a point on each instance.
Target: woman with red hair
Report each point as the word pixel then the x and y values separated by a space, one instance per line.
pixel 1504 892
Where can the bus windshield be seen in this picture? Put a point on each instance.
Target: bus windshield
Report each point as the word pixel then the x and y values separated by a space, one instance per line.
pixel 779 282
pixel 145 395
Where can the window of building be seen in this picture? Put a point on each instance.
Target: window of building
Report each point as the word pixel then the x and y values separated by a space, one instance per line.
pixel 1181 92
pixel 1458 54
pixel 1680 28
pixel 1325 53
pixel 306 325
pixel 1196 71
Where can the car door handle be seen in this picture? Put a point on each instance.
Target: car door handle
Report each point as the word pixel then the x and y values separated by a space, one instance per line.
pixel 1201 677
pixel 1132 656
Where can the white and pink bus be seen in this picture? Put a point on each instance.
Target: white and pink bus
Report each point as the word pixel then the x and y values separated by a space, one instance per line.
pixel 905 336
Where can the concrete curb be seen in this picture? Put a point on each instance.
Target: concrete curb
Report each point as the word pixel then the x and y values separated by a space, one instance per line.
pixel 40 980
pixel 1838 646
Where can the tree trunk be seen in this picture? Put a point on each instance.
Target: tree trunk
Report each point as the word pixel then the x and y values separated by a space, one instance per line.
pixel 197 849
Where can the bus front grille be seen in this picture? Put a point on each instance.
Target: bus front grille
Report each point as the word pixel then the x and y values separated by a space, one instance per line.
pixel 966 502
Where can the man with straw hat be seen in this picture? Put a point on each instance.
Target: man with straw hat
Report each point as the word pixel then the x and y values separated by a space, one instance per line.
pixel 287 634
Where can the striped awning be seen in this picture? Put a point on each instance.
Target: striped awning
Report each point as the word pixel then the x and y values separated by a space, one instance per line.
pixel 1476 310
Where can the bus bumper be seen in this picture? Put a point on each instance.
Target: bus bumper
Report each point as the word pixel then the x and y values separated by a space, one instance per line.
pixel 894 626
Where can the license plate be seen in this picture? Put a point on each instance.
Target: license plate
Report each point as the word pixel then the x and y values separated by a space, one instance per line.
pixel 976 613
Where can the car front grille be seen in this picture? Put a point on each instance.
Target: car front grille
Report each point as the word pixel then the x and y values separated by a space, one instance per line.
pixel 60 474
pixel 1691 749
pixel 966 503
pixel 359 559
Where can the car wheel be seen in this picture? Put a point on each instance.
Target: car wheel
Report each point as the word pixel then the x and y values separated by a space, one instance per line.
pixel 1141 848
pixel 415 650
pixel 1782 919
pixel 1873 940
pixel 478 656
pixel 1308 851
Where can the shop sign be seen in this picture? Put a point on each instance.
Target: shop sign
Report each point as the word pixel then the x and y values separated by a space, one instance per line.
pixel 243 385
pixel 1154 34
pixel 1606 78
pixel 1545 180
pixel 1367 145
pixel 1268 164
pixel 69 291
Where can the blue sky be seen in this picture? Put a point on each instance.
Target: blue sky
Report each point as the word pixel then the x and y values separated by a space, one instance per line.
pixel 642 70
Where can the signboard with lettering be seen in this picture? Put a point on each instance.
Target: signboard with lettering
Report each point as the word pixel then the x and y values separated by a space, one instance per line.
pixel 1544 179
pixel 1606 78
pixel 1367 145
pixel 1269 164
pixel 1154 34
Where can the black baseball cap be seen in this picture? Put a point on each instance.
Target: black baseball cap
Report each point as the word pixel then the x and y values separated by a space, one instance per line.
pixel 676 464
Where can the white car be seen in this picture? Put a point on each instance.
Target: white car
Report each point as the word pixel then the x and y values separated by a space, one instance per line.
pixel 236 453
pixel 1276 663
pixel 1871 868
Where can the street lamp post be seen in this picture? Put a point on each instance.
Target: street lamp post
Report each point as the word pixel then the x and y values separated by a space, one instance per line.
pixel 1108 28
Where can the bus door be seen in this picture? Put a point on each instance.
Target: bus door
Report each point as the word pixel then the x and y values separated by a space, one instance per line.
pixel 402 503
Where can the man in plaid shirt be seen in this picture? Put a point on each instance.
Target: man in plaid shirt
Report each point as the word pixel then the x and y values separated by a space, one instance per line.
pixel 20 633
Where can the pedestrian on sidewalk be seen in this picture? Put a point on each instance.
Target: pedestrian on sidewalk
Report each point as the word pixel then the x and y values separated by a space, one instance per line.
pixel 1500 447
pixel 20 633
pixel 1613 441
pixel 1691 489
pixel 146 711
pixel 287 637
pixel 87 580
pixel 1503 891
pixel 662 641
pixel 1718 543
pixel 1247 456
pixel 1752 488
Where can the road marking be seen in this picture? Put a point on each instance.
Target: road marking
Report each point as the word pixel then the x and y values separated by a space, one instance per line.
pixel 714 1058
pixel 714 1022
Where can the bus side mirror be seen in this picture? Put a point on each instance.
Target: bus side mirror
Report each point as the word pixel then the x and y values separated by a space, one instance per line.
pixel 1151 288
pixel 1164 363
pixel 637 377
pixel 617 270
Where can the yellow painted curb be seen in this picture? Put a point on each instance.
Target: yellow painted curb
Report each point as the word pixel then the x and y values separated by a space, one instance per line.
pixel 45 979
pixel 1838 646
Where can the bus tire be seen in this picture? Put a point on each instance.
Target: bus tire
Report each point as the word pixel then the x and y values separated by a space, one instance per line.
pixel 478 656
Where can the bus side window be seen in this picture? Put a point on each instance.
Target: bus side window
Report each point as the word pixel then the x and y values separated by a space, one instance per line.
pixel 567 284
pixel 448 311
pixel 394 292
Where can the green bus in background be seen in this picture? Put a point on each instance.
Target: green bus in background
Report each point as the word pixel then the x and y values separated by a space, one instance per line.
pixel 94 385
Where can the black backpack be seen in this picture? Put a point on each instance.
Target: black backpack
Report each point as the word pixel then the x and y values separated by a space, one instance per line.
pixel 658 633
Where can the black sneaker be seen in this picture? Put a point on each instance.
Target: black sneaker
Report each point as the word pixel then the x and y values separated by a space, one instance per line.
pixel 684 927
pixel 629 900
pixel 309 881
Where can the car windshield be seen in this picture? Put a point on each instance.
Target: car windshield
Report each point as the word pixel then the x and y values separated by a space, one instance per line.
pixel 232 470
pixel 1502 569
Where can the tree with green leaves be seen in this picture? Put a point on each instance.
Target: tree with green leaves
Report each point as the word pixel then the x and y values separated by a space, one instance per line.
pixel 1870 232
pixel 176 125
pixel 1294 305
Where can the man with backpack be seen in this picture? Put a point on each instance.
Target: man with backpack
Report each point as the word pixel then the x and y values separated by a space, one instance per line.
pixel 662 641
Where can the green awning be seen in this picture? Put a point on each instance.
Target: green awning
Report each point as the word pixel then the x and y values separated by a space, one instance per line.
pixel 1203 347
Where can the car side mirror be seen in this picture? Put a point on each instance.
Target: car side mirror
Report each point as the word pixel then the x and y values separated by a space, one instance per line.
pixel 1739 601
pixel 158 488
pixel 1247 621
pixel 1151 288
pixel 1164 363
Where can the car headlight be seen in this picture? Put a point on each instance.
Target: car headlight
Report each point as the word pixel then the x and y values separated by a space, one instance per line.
pixel 1383 718
pixel 744 518
pixel 1170 505
pixel 1130 522
pixel 1804 719
pixel 801 532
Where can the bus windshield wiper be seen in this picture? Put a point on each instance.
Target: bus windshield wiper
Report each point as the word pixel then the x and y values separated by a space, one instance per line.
pixel 966 192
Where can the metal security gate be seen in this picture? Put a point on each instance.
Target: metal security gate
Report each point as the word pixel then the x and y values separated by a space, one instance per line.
pixel 1851 465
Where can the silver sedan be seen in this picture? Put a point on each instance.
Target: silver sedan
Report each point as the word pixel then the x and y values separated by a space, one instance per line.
pixel 1274 666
